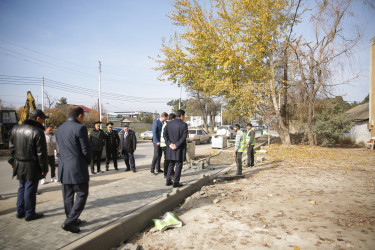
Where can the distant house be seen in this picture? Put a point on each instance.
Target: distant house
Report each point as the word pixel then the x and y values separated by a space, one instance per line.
pixel 197 121
pixel 129 120
pixel 360 115
pixel 118 117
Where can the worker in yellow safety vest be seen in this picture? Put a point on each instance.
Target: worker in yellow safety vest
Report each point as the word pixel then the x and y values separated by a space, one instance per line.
pixel 239 148
pixel 250 141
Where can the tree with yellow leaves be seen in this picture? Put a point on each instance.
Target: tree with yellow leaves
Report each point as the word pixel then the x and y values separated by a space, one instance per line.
pixel 230 49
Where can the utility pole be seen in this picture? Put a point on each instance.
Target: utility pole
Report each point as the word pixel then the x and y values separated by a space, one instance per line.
pixel 43 93
pixel 179 103
pixel 100 93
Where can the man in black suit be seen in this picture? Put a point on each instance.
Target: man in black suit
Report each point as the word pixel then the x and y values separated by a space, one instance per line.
pixel 112 142
pixel 175 134
pixel 75 156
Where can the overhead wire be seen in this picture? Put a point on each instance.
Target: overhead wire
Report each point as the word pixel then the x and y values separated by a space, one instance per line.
pixel 34 81
pixel 40 53
pixel 43 63
pixel 56 66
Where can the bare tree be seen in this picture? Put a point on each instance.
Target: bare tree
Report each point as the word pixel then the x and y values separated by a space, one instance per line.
pixel 315 62
pixel 204 106
pixel 50 100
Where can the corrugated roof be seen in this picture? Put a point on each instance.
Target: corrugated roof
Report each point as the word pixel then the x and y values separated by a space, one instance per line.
pixel 359 112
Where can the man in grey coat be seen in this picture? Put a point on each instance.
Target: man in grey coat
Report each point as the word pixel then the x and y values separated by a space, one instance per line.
pixel 175 134
pixel 75 156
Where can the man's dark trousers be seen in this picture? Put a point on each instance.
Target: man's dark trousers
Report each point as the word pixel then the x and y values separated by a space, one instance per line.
pixel 166 163
pixel 51 162
pixel 111 155
pixel 73 209
pixel 239 162
pixel 177 174
pixel 156 159
pixel 96 158
pixel 250 156
pixel 26 200
pixel 128 158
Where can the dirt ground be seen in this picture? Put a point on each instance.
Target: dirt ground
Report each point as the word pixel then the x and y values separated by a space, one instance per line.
pixel 299 197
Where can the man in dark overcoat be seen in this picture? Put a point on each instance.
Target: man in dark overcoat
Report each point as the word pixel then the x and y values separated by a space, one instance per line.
pixel 97 141
pixel 75 156
pixel 128 145
pixel 28 158
pixel 175 134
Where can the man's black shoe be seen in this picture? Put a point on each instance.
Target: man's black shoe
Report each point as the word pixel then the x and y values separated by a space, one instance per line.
pixel 107 169
pixel 160 171
pixel 79 221
pixel 92 172
pixel 169 183
pixel 126 170
pixel 71 228
pixel 116 169
pixel 34 217
pixel 176 185
pixel 134 170
pixel 20 216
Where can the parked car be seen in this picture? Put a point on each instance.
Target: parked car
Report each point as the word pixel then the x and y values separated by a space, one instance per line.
pixel 199 135
pixel 147 135
pixel 226 130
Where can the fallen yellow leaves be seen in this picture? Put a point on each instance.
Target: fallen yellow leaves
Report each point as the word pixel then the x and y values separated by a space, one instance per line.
pixel 320 157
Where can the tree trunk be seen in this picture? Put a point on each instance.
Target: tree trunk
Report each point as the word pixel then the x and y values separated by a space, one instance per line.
pixel 310 135
pixel 212 122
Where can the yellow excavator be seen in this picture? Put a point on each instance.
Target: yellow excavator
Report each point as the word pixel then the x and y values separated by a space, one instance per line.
pixel 8 119
pixel 29 105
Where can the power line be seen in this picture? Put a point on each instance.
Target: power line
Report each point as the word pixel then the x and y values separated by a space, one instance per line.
pixel 40 53
pixel 44 63
pixel 56 66
pixel 34 81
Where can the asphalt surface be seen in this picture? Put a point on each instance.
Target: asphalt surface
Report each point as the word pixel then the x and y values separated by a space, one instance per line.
pixel 125 193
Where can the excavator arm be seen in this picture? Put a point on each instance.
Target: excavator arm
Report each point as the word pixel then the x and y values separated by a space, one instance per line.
pixel 30 104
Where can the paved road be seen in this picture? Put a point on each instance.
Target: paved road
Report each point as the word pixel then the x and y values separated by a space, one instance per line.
pixel 9 186
pixel 107 202
pixel 143 157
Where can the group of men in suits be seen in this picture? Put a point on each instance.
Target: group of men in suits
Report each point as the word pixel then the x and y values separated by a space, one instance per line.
pixel 171 136
pixel 30 164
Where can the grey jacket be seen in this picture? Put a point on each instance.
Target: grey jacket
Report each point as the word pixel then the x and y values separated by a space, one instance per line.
pixel 51 144
pixel 238 140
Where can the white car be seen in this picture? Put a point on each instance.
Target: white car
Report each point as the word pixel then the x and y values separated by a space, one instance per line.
pixel 226 130
pixel 199 135
pixel 147 135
